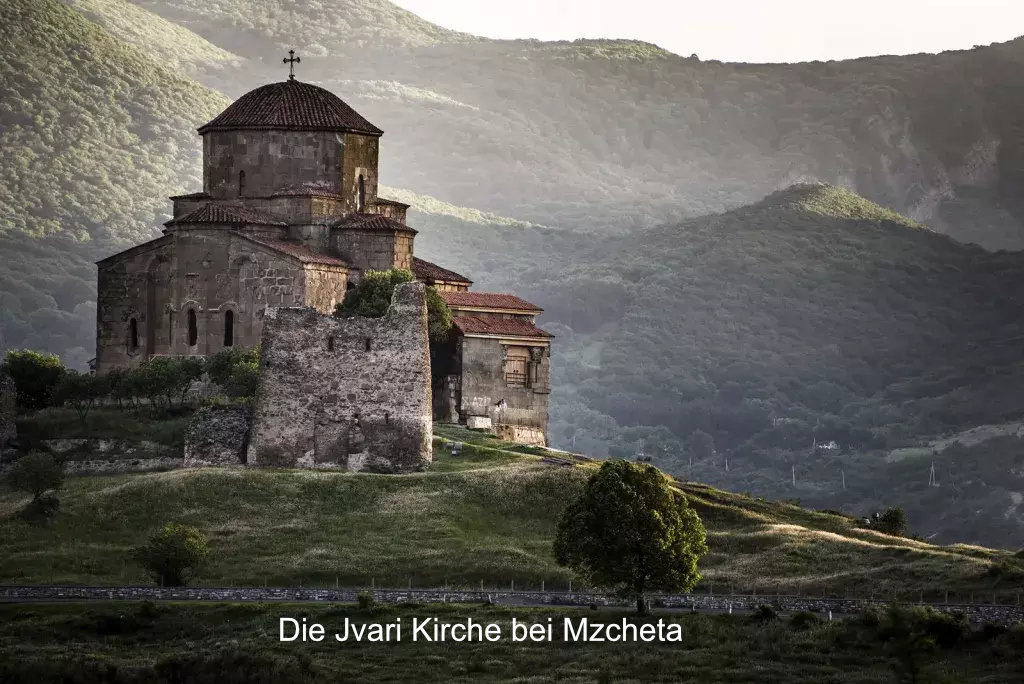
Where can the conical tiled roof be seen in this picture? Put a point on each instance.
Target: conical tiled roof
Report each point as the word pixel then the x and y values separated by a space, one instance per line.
pixel 291 105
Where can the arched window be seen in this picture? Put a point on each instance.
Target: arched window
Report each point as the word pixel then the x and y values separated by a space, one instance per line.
pixel 193 328
pixel 241 183
pixel 367 344
pixel 133 334
pixel 229 328
pixel 330 343
pixel 362 194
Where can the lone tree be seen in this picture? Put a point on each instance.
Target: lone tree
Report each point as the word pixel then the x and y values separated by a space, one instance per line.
pixel 631 533
pixel 372 297
pixel 893 521
pixel 37 474
pixel 172 553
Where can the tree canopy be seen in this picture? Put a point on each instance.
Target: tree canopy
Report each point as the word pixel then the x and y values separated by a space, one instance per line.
pixel 630 532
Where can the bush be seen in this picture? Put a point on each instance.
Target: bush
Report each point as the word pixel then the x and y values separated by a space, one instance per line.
pixel 372 297
pixel 35 376
pixel 34 474
pixel 893 521
pixel 221 365
pixel 42 510
pixel 244 380
pixel 804 619
pixel 172 553
pixel 365 600
pixel 764 613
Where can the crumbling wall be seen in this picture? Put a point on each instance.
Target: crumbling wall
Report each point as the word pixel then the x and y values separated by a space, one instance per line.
pixel 345 393
pixel 8 409
pixel 217 435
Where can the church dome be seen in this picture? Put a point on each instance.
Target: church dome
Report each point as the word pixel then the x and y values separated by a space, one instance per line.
pixel 291 105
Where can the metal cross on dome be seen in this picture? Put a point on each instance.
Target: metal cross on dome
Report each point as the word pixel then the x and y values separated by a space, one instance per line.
pixel 291 60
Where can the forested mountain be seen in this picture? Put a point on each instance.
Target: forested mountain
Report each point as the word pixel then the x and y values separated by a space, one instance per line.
pixel 610 135
pixel 685 303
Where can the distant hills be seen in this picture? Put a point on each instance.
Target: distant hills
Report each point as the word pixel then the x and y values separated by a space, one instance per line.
pixel 661 209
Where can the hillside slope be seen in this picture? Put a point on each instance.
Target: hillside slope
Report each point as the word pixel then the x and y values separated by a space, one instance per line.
pixel 488 515
pixel 617 134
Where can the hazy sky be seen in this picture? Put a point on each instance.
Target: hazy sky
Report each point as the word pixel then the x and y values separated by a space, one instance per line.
pixel 743 30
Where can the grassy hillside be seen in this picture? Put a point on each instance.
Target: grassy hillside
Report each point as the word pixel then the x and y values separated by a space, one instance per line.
pixel 171 45
pixel 127 643
pixel 98 134
pixel 487 516
pixel 812 315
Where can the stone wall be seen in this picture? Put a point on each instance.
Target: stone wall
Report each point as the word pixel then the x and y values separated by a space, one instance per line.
pixel 148 294
pixel 977 614
pixel 349 393
pixel 8 412
pixel 325 286
pixel 372 249
pixel 484 387
pixel 122 465
pixel 361 156
pixel 217 436
pixel 272 160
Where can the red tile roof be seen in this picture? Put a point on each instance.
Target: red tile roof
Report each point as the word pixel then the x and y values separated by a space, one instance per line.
pixel 424 270
pixel 390 202
pixel 512 327
pixel 297 250
pixel 291 105
pixel 312 188
pixel 225 213
pixel 487 300
pixel 371 222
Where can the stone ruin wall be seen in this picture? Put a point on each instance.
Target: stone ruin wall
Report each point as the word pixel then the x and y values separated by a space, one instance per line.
pixel 217 436
pixel 350 394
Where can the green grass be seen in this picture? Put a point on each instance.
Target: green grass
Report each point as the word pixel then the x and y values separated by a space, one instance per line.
pixel 488 515
pixel 118 643
pixel 106 423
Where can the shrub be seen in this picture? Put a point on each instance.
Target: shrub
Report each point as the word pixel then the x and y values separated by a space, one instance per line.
pixel 35 474
pixel 804 619
pixel 40 511
pixel 172 553
pixel 244 380
pixel 365 600
pixel 764 613
pixel 35 376
pixel 892 521
pixel 372 297
pixel 221 365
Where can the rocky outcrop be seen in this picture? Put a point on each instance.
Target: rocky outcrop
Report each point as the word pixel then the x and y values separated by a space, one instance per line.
pixel 217 436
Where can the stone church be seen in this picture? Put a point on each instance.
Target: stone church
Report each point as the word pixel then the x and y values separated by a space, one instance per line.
pixel 289 217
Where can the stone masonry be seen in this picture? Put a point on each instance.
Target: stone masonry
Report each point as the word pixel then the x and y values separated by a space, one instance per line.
pixel 350 394
pixel 217 436
pixel 289 217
